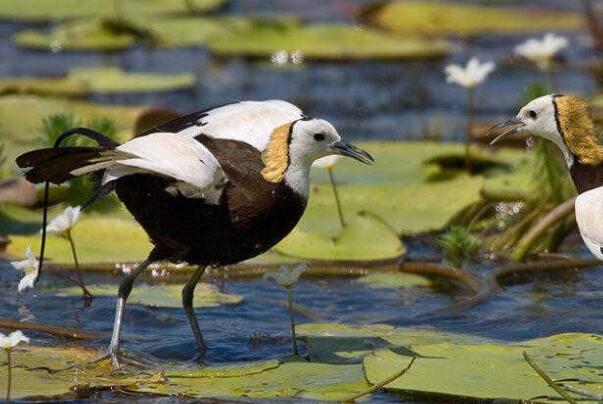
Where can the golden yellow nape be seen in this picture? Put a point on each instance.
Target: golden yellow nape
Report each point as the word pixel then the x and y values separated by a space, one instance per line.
pixel 276 155
pixel 578 130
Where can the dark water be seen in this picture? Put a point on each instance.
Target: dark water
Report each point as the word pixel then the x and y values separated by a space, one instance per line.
pixel 367 100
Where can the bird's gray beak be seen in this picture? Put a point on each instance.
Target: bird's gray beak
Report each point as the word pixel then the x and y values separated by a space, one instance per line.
pixel 347 149
pixel 509 127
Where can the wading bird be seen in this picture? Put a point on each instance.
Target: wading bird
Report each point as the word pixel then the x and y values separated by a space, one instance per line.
pixel 566 121
pixel 211 188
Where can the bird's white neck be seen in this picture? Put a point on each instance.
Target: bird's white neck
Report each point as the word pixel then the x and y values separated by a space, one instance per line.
pixel 297 177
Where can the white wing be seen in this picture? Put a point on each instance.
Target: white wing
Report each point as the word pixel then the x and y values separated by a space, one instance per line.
pixel 182 158
pixel 589 216
pixel 248 121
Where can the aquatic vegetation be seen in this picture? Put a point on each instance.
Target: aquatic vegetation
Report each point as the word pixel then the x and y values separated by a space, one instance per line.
pixel 20 135
pixel 8 343
pixel 328 163
pixel 30 267
pixel 393 280
pixel 349 245
pixel 439 19
pixel 469 77
pixel 325 42
pixel 84 81
pixel 62 226
pixel 542 51
pixel 170 296
pixel 287 277
pixel 41 10
pixel 458 246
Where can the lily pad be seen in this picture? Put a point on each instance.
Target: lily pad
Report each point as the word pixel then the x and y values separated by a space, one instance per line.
pixel 122 239
pixel 84 81
pixel 326 42
pixel 42 10
pixel 95 34
pixel 32 379
pixel 393 280
pixel 445 19
pixel 206 295
pixel 19 135
pixel 303 380
pixel 76 35
pixel 366 237
pixel 494 371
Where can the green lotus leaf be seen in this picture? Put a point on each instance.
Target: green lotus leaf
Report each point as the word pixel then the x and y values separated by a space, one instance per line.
pixel 393 280
pixel 43 10
pixel 365 237
pixel 230 370
pixel 206 295
pixel 98 239
pixel 325 42
pixel 83 81
pixel 305 380
pixel 342 343
pixel 494 371
pixel 32 379
pixel 19 135
pixel 439 19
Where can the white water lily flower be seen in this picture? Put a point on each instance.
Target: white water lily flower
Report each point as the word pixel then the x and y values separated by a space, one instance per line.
pixel 64 222
pixel 470 76
pixel 12 340
pixel 541 51
pixel 30 266
pixel 327 162
pixel 296 57
pixel 286 276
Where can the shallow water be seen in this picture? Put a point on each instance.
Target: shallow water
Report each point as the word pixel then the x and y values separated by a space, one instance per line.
pixel 367 100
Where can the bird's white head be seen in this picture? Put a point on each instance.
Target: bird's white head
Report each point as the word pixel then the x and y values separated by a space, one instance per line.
pixel 562 119
pixel 294 147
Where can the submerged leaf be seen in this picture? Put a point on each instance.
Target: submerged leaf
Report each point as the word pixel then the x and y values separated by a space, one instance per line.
pixel 393 280
pixel 206 295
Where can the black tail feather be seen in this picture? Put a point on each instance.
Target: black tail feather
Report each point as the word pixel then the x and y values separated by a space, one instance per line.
pixel 54 165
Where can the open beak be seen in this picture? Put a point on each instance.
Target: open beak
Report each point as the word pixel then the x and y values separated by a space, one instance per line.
pixel 347 149
pixel 509 127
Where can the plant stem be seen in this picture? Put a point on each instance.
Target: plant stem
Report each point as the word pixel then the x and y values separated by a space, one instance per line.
pixel 548 380
pixel 9 364
pixel 559 213
pixel 292 319
pixel 381 384
pixel 337 200
pixel 80 280
pixel 470 117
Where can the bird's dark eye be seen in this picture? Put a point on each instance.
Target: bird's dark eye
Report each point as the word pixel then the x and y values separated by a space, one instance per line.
pixel 532 114
pixel 319 137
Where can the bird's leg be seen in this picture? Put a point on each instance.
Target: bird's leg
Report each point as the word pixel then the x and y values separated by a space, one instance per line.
pixel 187 302
pixel 122 295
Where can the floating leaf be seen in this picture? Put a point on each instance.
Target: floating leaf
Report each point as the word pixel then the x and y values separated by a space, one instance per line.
pixel 32 379
pixel 365 237
pixel 123 240
pixel 22 134
pixel 432 18
pixel 43 10
pixel 494 371
pixel 84 81
pixel 206 295
pixel 315 381
pixel 325 42
pixel 393 280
